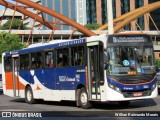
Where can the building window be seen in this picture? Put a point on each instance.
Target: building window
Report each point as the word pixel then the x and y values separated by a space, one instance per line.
pixel 140 20
pixel 104 11
pixel 155 16
pixel 91 11
pixel 73 9
pixel 125 8
pixel 65 12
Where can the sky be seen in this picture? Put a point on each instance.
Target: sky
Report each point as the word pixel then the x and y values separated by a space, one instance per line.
pixel 1 7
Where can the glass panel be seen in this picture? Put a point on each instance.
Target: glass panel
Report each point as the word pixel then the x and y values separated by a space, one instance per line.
pixel 91 11
pixel 49 59
pixel 77 56
pixel 62 57
pixel 24 62
pixel 8 64
pixel 140 20
pixel 36 60
pixel 155 16
pixel 125 7
pixel 130 60
pixel 50 6
pixel 73 10
pixel 104 11
pixel 65 12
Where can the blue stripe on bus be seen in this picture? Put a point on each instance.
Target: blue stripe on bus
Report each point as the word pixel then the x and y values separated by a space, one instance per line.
pixel 49 46
pixel 57 78
pixel 132 87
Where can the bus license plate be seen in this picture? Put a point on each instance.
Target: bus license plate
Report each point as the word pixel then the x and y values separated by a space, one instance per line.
pixel 137 94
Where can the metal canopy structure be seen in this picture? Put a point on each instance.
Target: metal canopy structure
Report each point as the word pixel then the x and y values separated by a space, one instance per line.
pixel 119 23
pixel 125 19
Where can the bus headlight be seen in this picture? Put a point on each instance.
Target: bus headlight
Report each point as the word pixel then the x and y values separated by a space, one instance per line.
pixel 111 86
pixel 117 89
pixel 154 86
pixel 114 87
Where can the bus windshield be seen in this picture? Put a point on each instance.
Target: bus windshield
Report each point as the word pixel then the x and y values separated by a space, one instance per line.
pixel 129 60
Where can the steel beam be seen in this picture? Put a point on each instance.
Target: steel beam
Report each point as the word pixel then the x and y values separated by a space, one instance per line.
pixel 27 13
pixel 127 15
pixel 57 15
pixel 154 6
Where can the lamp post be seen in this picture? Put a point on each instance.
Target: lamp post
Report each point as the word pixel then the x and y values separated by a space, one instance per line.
pixel 110 17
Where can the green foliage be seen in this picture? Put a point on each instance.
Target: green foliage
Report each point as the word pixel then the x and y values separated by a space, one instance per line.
pixel 158 63
pixel 93 26
pixel 15 25
pixel 9 42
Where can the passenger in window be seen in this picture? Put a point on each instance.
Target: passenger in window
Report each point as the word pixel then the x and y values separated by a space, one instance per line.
pixel 40 65
pixel 34 65
pixel 81 59
pixel 60 62
pixel 65 60
pixel 51 63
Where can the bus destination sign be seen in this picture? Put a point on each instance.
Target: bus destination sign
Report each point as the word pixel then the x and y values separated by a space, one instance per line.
pixel 128 39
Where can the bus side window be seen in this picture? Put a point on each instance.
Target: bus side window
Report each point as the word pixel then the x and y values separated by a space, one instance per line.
pixel 65 57
pixel 59 58
pixel 36 60
pixel 24 62
pixel 77 56
pixel 49 59
pixel 62 57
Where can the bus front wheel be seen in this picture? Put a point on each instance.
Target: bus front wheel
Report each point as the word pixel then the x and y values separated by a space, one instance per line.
pixel 83 99
pixel 29 96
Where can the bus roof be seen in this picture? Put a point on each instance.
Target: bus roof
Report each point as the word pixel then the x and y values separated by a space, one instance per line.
pixel 49 45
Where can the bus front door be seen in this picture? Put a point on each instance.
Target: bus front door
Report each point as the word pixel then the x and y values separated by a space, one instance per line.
pixel 15 80
pixel 94 75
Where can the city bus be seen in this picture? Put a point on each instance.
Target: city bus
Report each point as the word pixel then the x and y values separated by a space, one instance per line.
pixel 114 68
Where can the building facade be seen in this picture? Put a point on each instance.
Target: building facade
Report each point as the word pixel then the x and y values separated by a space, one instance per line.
pixel 95 11
pixel 29 22
pixel 73 9
pixel 8 14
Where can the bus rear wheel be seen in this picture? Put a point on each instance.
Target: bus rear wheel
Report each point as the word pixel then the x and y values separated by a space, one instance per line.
pixel 29 96
pixel 83 99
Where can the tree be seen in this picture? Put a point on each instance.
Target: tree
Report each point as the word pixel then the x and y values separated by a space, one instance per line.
pixel 15 25
pixel 9 42
pixel 92 26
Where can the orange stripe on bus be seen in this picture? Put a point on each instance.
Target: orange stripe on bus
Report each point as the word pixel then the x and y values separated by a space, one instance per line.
pixel 87 79
pixel 38 88
pixel 9 82
pixel 8 78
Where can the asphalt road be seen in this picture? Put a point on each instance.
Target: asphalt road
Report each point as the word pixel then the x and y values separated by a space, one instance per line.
pixel 68 109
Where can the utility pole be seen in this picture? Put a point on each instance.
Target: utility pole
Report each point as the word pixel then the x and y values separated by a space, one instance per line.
pixel 110 17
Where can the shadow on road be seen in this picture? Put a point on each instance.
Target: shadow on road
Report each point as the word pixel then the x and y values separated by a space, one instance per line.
pixel 100 106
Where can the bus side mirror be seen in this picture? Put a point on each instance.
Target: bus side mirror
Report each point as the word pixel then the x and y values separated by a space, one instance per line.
pixel 157 69
pixel 106 66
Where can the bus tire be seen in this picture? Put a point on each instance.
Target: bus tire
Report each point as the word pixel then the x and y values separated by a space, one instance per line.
pixel 124 103
pixel 83 99
pixel 29 96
